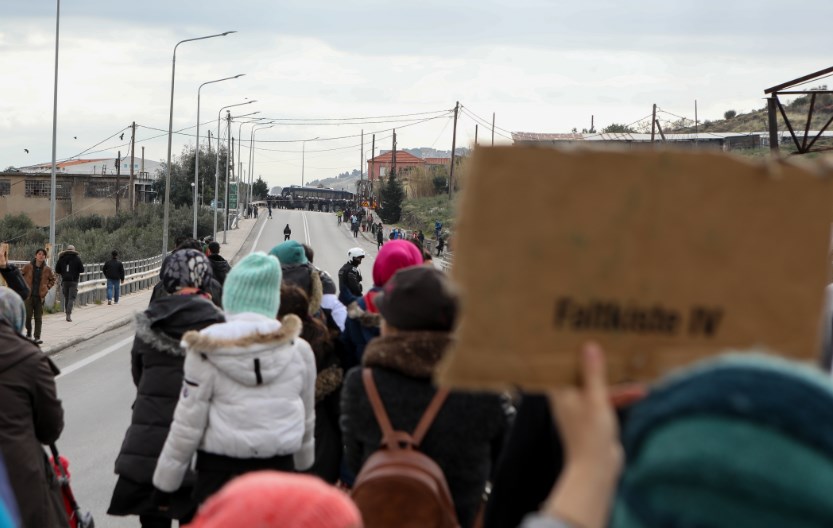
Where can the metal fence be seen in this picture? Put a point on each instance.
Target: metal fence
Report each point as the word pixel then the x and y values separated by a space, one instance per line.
pixel 92 285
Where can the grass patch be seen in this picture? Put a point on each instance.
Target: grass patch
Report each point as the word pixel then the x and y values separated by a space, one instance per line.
pixel 421 213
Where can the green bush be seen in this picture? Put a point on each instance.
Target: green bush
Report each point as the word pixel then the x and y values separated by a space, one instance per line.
pixel 134 236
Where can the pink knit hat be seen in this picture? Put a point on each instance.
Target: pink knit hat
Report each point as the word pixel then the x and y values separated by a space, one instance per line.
pixel 394 256
pixel 271 499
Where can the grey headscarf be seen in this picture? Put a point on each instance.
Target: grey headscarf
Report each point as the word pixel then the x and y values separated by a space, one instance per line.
pixel 12 310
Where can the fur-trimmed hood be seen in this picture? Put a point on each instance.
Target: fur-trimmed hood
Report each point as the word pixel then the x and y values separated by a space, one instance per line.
pixel 249 348
pixel 413 354
pixel 328 381
pixel 364 317
pixel 156 339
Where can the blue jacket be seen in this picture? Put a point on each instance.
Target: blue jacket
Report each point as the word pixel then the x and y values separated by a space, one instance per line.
pixel 362 325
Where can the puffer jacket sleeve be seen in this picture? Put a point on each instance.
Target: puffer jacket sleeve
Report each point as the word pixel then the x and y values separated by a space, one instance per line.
pixel 136 363
pixel 190 421
pixel 305 456
pixel 48 412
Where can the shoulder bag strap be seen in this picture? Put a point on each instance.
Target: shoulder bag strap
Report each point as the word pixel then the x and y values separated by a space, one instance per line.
pixel 429 415
pixel 378 407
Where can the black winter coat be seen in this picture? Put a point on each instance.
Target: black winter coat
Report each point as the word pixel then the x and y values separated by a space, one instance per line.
pixel 30 415
pixel 466 435
pixel 69 266
pixel 156 364
pixel 349 283
pixel 15 281
pixel 114 269
pixel 220 267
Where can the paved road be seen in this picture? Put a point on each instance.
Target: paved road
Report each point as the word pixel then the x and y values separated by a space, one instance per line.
pixel 96 386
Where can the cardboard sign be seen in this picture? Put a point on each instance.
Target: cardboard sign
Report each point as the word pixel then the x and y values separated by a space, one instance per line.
pixel 663 257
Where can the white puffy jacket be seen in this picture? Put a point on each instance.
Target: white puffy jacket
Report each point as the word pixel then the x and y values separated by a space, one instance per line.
pixel 248 392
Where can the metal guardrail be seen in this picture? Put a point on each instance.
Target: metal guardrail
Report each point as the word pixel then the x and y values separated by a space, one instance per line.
pixel 138 275
pixel 92 285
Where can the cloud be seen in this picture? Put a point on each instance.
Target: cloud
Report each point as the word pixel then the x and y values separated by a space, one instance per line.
pixel 540 65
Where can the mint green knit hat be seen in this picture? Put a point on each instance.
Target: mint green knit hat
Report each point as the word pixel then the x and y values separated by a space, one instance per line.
pixel 254 285
pixel 290 253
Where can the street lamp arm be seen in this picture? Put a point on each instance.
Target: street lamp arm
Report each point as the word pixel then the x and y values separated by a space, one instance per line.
pixel 167 205
pixel 220 80
pixel 201 38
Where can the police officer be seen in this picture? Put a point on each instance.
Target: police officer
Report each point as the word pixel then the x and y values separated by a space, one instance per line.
pixel 349 277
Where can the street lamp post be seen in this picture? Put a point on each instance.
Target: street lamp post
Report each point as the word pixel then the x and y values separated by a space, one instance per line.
pixel 303 156
pixel 166 208
pixel 252 150
pixel 239 147
pixel 197 154
pixel 53 181
pixel 217 168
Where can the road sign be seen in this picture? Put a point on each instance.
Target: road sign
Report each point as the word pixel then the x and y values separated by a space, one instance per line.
pixel 232 196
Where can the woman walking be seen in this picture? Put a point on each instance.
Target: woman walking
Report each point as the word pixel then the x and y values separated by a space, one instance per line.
pixel 157 362
pixel 30 415
pixel 248 401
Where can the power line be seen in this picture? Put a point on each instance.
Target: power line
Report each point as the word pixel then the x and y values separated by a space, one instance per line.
pixel 485 122
pixel 479 121
pixel 356 118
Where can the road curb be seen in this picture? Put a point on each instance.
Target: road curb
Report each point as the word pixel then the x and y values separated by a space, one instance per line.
pixel 51 351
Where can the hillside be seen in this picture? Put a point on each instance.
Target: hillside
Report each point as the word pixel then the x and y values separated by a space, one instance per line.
pixel 758 120
pixel 348 183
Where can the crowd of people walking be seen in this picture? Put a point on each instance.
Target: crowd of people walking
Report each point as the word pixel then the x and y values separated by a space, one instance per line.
pixel 269 393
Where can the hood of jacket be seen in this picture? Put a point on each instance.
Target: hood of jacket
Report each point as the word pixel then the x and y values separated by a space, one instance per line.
pixel 15 349
pixel 249 348
pixel 308 279
pixel 68 253
pixel 168 318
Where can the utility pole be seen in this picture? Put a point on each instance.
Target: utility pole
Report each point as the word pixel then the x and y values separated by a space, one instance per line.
pixel 493 129
pixel 228 147
pixel 393 155
pixel 592 124
pixel 361 159
pixel 475 134
pixel 696 125
pixel 132 193
pixel 118 173
pixel 372 156
pixel 453 149
pixel 653 122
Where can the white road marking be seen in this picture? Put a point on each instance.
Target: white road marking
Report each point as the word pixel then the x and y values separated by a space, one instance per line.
pixel 257 240
pixel 95 357
pixel 306 229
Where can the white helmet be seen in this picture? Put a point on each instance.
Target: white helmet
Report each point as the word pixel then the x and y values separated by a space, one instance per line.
pixel 355 253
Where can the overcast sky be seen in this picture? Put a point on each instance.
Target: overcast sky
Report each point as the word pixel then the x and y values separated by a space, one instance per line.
pixel 541 66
